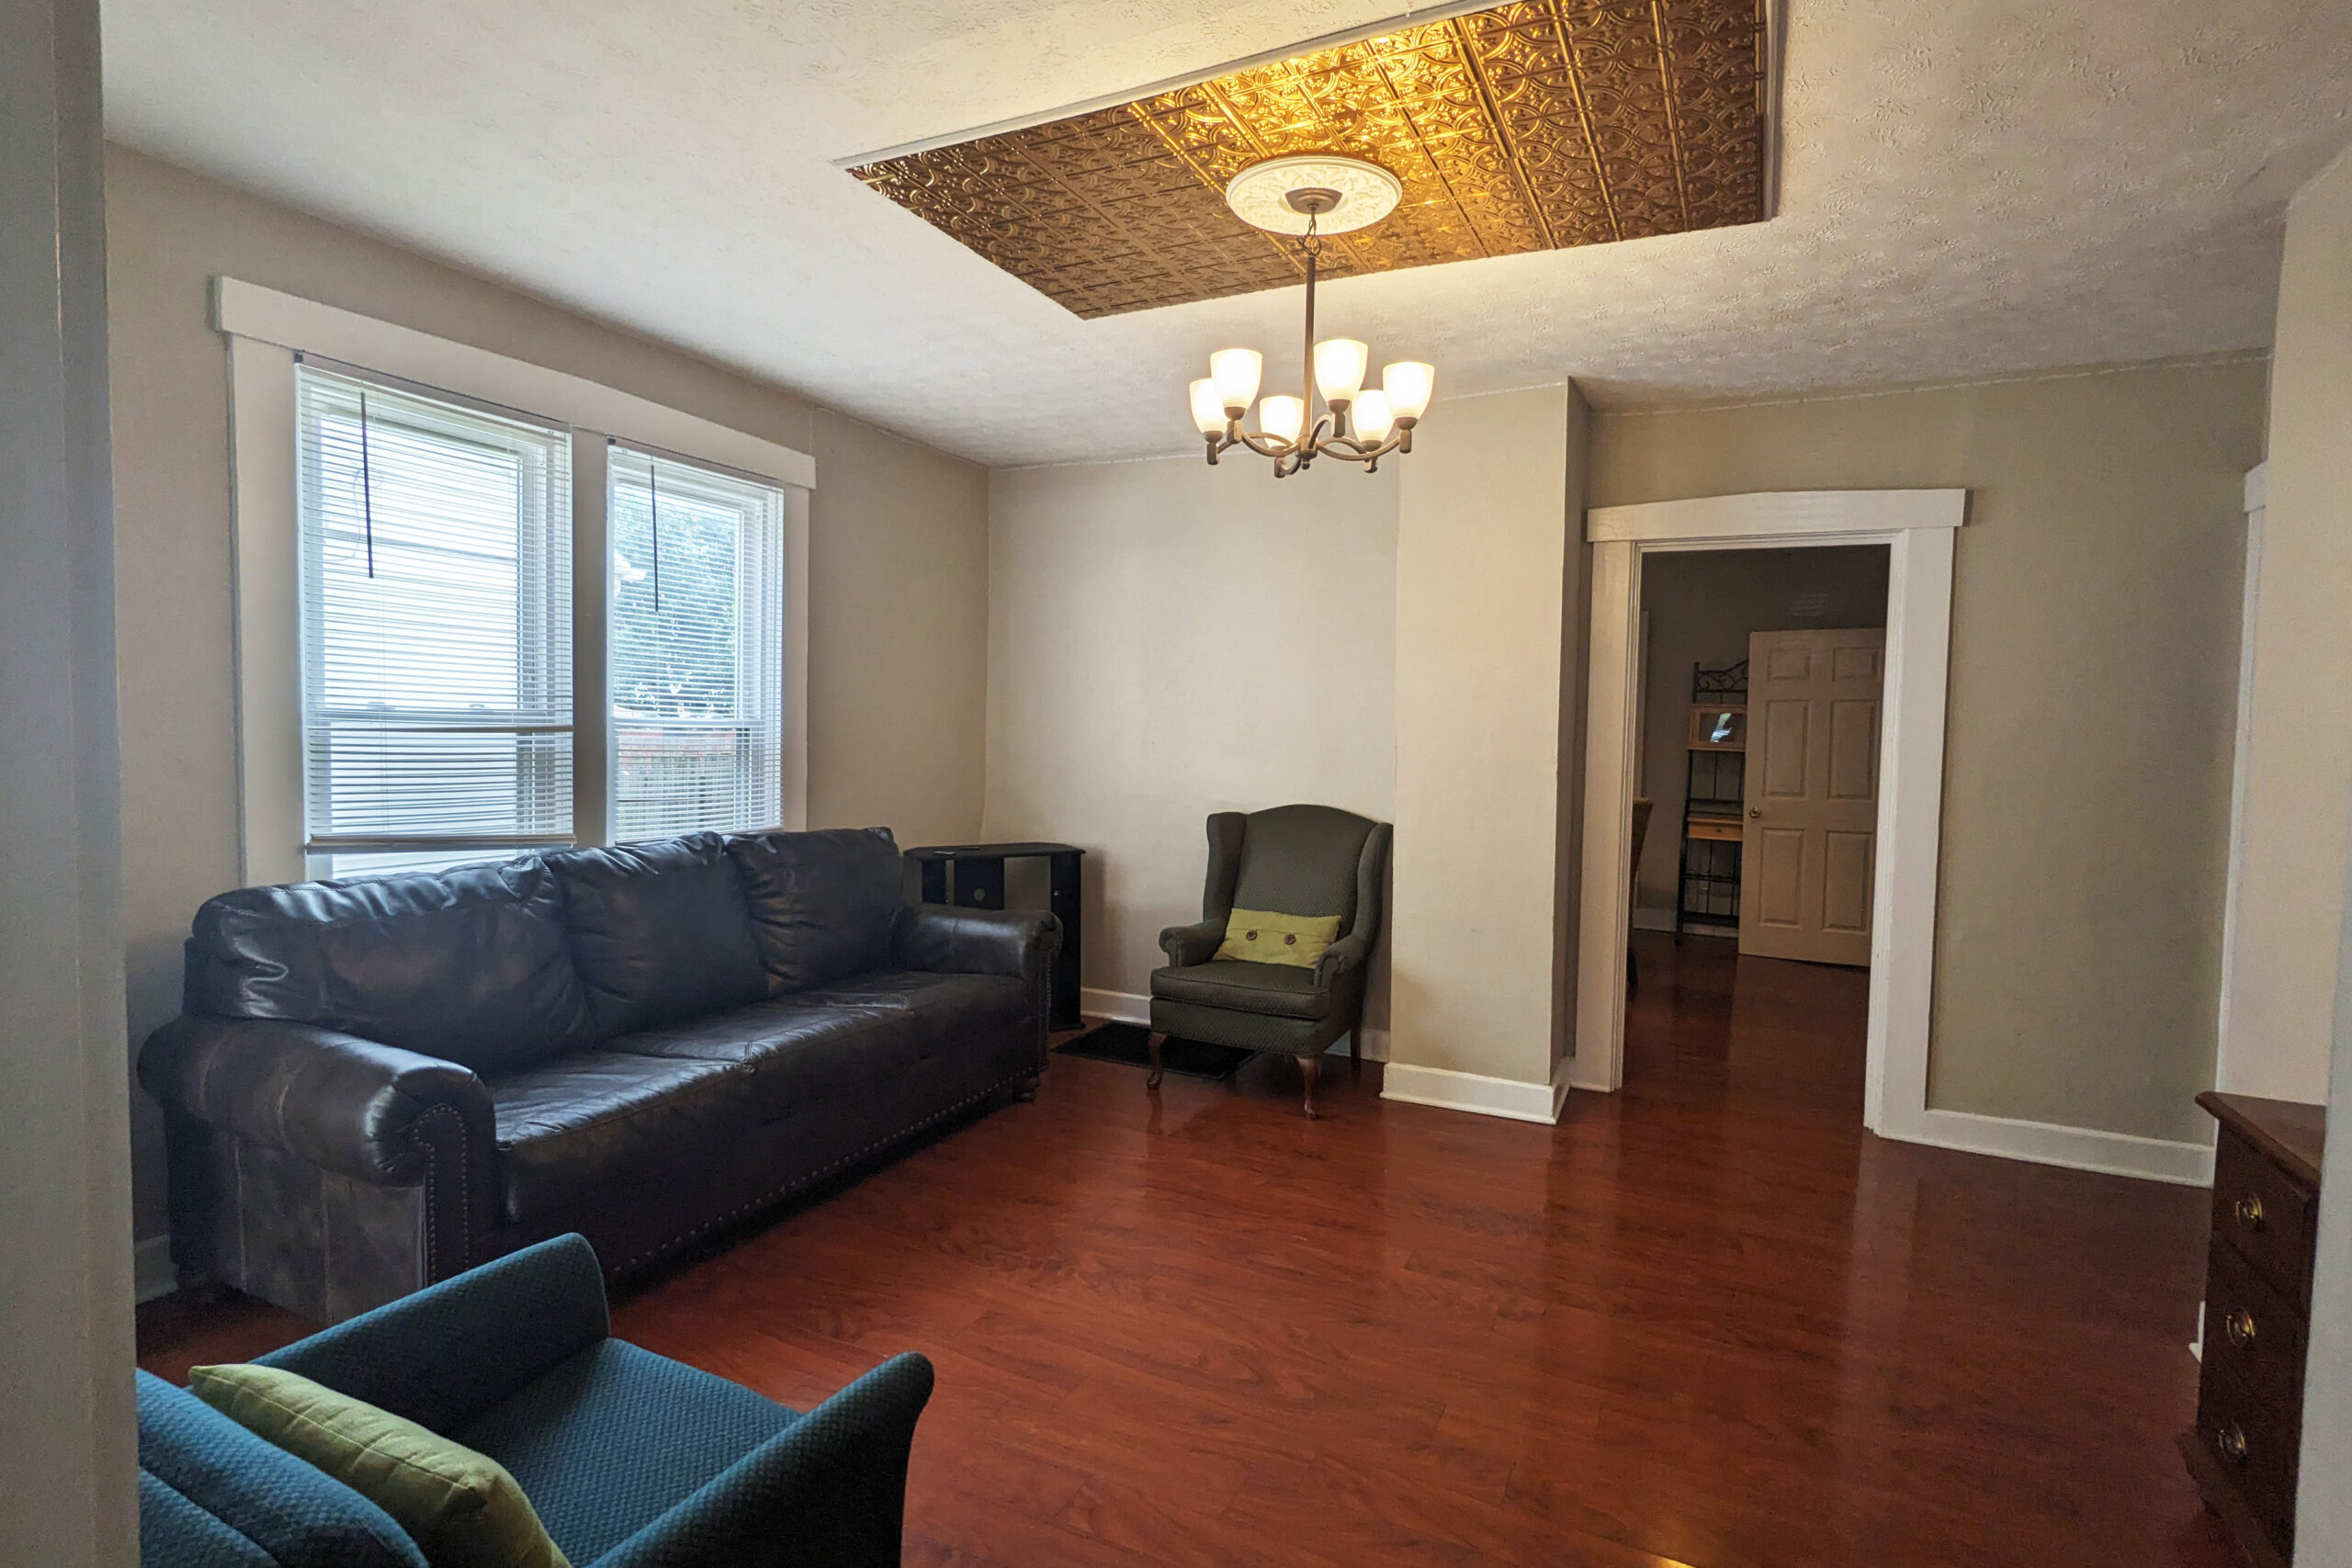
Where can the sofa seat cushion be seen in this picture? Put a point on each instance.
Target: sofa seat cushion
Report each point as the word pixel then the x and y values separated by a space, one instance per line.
pixel 614 1435
pixel 659 930
pixel 471 965
pixel 580 1122
pixel 820 903
pixel 796 1052
pixel 293 1514
pixel 952 1006
pixel 1281 989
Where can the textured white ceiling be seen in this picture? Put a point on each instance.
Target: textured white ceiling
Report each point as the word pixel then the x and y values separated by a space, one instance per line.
pixel 1970 187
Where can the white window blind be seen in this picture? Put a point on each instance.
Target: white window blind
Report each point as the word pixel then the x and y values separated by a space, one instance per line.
pixel 696 647
pixel 436 627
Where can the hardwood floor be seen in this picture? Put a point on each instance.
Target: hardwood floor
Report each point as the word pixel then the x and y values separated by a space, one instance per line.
pixel 1705 1321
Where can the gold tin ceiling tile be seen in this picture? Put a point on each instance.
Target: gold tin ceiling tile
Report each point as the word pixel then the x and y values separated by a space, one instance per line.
pixel 1527 127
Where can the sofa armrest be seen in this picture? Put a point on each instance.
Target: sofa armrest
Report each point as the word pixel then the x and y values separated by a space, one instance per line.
pixel 355 1107
pixel 1195 943
pixel 1350 951
pixel 830 1491
pixel 451 1350
pixel 943 938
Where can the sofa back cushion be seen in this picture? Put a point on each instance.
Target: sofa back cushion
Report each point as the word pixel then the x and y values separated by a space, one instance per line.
pixel 206 1484
pixel 659 930
pixel 822 903
pixel 470 965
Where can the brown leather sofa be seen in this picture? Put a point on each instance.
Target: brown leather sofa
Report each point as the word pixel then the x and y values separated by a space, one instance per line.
pixel 379 1083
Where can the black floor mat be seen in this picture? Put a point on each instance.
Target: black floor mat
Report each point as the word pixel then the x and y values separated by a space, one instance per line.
pixel 1127 1043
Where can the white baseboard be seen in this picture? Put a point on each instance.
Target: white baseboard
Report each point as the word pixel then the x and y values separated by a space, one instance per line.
pixel 1119 1007
pixel 1476 1092
pixel 151 1273
pixel 1125 1007
pixel 2076 1148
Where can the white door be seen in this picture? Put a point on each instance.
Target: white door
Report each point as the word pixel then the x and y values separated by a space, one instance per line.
pixel 1807 844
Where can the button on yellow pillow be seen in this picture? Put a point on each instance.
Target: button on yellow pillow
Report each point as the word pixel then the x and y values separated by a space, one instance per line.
pixel 461 1506
pixel 1262 936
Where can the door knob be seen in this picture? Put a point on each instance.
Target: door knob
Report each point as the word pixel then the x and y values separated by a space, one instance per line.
pixel 1756 811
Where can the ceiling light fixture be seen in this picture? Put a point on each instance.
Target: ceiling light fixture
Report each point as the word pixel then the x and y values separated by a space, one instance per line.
pixel 1309 195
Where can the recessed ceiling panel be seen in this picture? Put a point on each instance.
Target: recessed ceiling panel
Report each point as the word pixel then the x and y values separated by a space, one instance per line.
pixel 1524 128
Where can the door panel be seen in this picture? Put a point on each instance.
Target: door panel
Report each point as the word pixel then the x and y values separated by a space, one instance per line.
pixel 1853 750
pixel 1853 664
pixel 1785 747
pixel 1779 878
pixel 1813 705
pixel 1846 882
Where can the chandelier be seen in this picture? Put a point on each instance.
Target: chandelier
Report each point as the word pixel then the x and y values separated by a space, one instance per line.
pixel 1307 197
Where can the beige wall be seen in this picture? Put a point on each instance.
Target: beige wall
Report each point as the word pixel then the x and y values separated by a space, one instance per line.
pixel 1702 607
pixel 2299 758
pixel 2093 684
pixel 1488 622
pixel 1167 640
pixel 1576 636
pixel 68 1448
pixel 2311 447
pixel 898 636
pixel 897 547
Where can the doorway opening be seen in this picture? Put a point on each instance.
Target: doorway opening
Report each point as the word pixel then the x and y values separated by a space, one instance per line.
pixel 1916 528
pixel 1756 764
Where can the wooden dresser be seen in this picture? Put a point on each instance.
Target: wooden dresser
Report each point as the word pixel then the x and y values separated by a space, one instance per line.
pixel 2258 1307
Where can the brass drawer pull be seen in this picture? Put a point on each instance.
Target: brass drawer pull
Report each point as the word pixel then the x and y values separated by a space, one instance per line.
pixel 2230 1440
pixel 2249 1212
pixel 2239 1326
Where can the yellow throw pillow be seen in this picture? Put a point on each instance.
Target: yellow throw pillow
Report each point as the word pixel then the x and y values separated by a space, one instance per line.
pixel 461 1507
pixel 1262 936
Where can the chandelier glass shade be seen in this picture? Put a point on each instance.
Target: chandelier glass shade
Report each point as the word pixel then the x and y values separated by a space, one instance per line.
pixel 1309 197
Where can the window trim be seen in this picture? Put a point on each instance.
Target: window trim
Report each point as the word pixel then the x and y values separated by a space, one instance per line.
pixel 265 330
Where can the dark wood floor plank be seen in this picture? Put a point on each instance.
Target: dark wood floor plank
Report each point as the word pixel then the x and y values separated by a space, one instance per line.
pixel 1706 1322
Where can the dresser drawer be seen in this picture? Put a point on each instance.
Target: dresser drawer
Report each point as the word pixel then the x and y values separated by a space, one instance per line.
pixel 2254 1445
pixel 2266 1216
pixel 2252 1333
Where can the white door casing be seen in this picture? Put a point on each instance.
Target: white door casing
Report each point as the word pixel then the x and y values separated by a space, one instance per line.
pixel 1917 527
pixel 1812 794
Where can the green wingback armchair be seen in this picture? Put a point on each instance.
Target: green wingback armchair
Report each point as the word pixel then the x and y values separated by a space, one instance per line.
pixel 1297 860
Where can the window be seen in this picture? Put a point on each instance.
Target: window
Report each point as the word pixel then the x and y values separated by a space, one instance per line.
pixel 435 591
pixel 448 643
pixel 696 649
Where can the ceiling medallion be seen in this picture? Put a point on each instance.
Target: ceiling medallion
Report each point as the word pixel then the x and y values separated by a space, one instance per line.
pixel 1360 193
pixel 1308 196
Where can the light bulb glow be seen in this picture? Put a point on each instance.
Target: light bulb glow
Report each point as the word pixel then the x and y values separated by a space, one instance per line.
pixel 1409 383
pixel 1372 416
pixel 1236 372
pixel 1282 417
pixel 1339 369
pixel 1208 408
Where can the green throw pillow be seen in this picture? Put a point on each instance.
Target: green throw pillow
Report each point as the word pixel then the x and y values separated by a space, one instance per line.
pixel 1262 936
pixel 461 1507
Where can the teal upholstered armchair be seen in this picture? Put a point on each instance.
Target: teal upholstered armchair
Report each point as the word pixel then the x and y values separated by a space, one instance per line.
pixel 632 1460
pixel 1293 860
